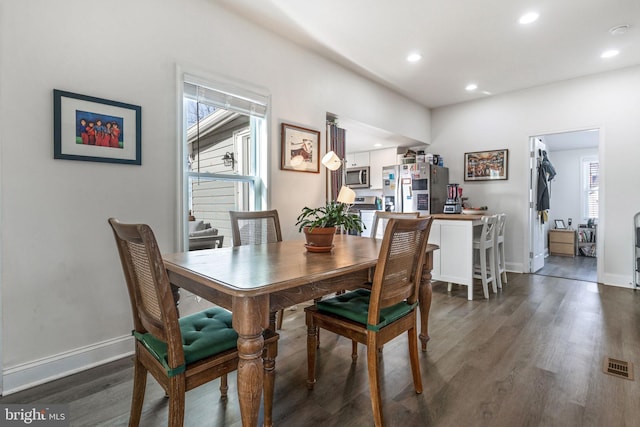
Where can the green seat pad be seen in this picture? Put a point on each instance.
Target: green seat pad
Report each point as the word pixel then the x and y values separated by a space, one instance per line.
pixel 204 334
pixel 355 306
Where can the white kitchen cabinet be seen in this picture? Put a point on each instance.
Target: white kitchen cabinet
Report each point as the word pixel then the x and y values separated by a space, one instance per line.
pixel 377 160
pixel 356 160
pixel 453 262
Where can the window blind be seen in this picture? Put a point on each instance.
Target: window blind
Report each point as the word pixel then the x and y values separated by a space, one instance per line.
pixel 229 98
pixel 593 186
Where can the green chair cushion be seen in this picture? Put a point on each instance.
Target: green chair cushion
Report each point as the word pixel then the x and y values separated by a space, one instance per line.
pixel 204 334
pixel 355 306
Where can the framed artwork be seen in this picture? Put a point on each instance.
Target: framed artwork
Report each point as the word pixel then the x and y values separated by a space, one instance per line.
pixel 95 129
pixel 560 224
pixel 300 149
pixel 486 165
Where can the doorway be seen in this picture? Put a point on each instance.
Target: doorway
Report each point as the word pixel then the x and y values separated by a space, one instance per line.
pixel 571 220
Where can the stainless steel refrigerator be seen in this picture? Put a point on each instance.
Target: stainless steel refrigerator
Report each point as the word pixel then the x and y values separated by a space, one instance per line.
pixel 415 187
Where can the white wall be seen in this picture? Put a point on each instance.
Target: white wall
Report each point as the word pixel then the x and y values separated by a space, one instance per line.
pixel 566 188
pixel 64 304
pixel 607 101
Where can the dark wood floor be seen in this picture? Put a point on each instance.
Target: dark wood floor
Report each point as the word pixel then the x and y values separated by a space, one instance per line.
pixel 530 356
pixel 578 268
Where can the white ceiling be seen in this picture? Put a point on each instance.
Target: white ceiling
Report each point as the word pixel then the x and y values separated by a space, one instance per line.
pixel 572 140
pixel 461 41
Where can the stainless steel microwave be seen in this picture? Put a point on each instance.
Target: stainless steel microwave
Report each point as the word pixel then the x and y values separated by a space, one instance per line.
pixel 357 177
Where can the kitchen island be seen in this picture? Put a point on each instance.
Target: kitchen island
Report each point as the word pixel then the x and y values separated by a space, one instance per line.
pixel 453 263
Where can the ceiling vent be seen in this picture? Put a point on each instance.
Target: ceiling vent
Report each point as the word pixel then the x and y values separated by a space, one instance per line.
pixel 619 30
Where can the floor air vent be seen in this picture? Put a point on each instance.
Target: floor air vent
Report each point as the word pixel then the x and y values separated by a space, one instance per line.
pixel 618 368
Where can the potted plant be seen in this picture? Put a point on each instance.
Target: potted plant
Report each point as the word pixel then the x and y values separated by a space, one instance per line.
pixel 319 224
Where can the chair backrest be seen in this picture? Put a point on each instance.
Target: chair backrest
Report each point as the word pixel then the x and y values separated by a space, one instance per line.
pixel 500 227
pixel 152 301
pixel 399 269
pixel 255 228
pixel 487 235
pixel 380 220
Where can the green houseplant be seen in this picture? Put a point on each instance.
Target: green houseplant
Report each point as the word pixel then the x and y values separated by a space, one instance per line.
pixel 319 224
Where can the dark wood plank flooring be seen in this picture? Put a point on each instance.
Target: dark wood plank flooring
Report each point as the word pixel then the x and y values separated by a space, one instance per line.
pixel 529 356
pixel 579 268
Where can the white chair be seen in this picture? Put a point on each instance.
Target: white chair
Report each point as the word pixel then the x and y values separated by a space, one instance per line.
pixel 483 268
pixel 501 271
pixel 380 220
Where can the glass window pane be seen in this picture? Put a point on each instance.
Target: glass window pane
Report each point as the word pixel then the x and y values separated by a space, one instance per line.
pixel 221 174
pixel 591 185
pixel 212 199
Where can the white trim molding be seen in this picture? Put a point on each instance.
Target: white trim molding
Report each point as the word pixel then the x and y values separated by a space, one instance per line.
pixel 30 374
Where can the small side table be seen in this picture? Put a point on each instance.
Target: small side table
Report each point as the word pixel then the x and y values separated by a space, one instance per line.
pixel 562 242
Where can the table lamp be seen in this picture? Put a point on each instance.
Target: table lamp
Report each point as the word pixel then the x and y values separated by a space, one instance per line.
pixel 332 162
pixel 346 196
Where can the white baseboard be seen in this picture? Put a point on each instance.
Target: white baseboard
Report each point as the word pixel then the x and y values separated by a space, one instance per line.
pixel 27 375
pixel 514 267
pixel 620 280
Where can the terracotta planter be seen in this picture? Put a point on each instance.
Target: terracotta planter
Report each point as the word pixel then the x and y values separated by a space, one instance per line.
pixel 319 239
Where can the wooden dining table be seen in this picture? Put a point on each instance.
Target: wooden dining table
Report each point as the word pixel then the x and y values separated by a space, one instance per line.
pixel 256 280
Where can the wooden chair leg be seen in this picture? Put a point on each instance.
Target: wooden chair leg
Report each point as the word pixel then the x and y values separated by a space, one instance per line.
pixel 176 400
pixel 280 317
pixel 224 387
pixel 312 345
pixel 354 350
pixel 269 365
pixel 374 383
pixel 415 361
pixel 139 386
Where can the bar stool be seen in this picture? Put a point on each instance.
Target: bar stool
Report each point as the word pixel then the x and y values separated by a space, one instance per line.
pixel 485 269
pixel 501 271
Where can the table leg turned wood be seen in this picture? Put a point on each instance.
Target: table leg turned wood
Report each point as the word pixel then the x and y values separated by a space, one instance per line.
pixel 425 294
pixel 249 316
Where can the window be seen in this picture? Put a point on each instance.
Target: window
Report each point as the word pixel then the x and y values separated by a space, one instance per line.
pixel 591 184
pixel 224 146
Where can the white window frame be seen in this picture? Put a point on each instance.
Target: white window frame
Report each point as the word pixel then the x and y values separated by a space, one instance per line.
pixel 584 182
pixel 260 134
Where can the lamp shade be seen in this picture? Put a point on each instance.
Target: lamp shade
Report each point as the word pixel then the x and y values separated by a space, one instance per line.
pixel 331 161
pixel 346 196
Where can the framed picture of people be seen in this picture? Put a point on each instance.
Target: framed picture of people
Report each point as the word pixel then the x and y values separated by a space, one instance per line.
pixel 300 149
pixel 486 165
pixel 95 129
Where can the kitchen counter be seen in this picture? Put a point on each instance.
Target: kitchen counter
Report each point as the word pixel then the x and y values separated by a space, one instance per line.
pixel 453 263
pixel 458 217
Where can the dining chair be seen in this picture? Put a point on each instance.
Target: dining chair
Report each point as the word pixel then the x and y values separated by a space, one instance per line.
pixel 380 220
pixel 501 270
pixel 184 353
pixel 376 316
pixel 255 228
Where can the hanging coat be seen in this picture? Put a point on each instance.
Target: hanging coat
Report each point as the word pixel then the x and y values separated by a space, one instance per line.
pixel 543 191
pixel 547 167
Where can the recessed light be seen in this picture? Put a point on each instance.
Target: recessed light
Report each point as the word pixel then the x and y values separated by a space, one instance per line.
pixel 377 144
pixel 471 87
pixel 414 57
pixel 528 18
pixel 486 92
pixel 609 53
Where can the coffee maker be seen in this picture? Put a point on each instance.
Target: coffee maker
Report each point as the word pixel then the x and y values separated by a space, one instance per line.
pixel 453 205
